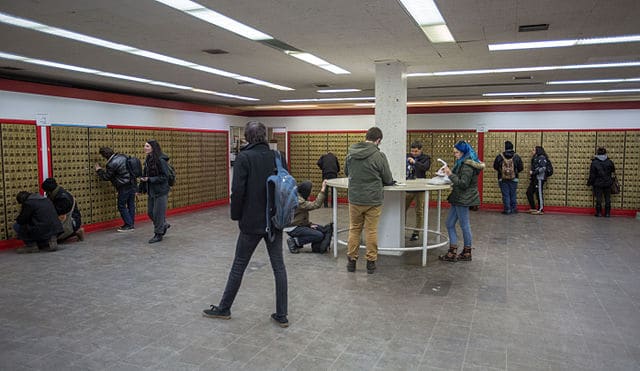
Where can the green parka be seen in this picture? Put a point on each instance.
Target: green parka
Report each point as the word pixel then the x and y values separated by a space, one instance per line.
pixel 465 183
pixel 368 171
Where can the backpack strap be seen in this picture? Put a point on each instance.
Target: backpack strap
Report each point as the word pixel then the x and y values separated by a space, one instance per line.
pixel 268 228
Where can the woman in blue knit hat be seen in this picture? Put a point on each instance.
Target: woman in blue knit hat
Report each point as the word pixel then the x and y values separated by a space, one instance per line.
pixel 464 193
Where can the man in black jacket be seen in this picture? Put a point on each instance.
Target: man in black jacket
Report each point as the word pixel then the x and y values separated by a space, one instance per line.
pixel 330 167
pixel 117 172
pixel 67 209
pixel 509 187
pixel 417 166
pixel 253 165
pixel 37 224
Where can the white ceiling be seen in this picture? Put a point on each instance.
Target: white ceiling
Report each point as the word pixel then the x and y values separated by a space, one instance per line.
pixel 351 34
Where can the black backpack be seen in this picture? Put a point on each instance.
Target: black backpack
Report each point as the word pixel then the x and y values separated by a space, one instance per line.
pixel 134 166
pixel 549 169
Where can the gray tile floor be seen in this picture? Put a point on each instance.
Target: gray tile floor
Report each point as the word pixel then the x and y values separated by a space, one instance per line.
pixel 550 292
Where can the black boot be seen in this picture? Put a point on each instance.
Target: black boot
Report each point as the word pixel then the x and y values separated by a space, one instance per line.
pixel 598 212
pixel 607 211
pixel 156 238
pixel 351 264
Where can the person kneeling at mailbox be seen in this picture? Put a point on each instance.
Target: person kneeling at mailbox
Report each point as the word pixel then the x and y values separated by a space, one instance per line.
pixel 37 225
pixel 302 231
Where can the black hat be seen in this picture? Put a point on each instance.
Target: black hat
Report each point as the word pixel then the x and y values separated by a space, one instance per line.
pixel 508 146
pixel 304 189
pixel 49 184
pixel 601 151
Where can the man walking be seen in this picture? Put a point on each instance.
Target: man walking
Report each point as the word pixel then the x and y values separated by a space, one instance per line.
pixel 368 171
pixel 417 166
pixel 117 172
pixel 508 165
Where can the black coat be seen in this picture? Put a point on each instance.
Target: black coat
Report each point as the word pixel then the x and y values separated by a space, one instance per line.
pixel 63 202
pixel 329 165
pixel 254 164
pixel 600 173
pixel 418 170
pixel 518 165
pixel 116 171
pixel 38 219
pixel 157 184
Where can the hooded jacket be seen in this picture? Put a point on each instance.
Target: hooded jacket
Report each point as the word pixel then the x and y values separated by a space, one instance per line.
pixel 518 165
pixel 329 165
pixel 116 171
pixel 464 181
pixel 38 218
pixel 253 165
pixel 368 171
pixel 418 170
pixel 600 172
pixel 156 185
pixel 63 202
pixel 301 217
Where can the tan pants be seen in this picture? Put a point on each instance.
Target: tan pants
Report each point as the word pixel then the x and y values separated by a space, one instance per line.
pixel 363 216
pixel 419 197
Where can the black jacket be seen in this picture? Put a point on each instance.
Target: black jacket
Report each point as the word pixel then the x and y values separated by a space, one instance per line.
pixel 156 184
pixel 600 172
pixel 116 171
pixel 418 170
pixel 518 165
pixel 329 165
pixel 63 202
pixel 254 164
pixel 38 218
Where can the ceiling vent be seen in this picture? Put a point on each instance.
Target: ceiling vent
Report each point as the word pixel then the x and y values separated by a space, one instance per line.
pixel 322 85
pixel 520 78
pixel 245 83
pixel 215 51
pixel 533 27
pixel 9 68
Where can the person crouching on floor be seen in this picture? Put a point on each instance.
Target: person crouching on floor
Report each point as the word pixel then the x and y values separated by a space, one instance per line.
pixel 67 209
pixel 37 224
pixel 304 231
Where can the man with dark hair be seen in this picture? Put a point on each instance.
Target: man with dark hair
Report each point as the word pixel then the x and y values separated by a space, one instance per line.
pixel 303 231
pixel 253 165
pixel 330 167
pixel 37 224
pixel 368 171
pixel 508 165
pixel 417 166
pixel 117 172
pixel 67 209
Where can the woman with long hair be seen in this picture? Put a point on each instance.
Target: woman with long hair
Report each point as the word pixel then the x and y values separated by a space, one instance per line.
pixel 464 194
pixel 537 179
pixel 155 182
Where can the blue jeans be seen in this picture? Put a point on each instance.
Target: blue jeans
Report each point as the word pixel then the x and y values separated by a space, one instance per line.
pixel 459 213
pixel 509 190
pixel 127 205
pixel 305 235
pixel 245 247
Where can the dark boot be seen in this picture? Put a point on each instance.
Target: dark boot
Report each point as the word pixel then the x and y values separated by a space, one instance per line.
pixel 156 238
pixel 371 266
pixel 451 255
pixel 351 264
pixel 598 212
pixel 607 211
pixel 465 255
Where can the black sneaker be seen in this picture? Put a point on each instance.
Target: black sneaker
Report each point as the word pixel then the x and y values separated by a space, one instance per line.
pixel 414 237
pixel 156 238
pixel 281 321
pixel 351 264
pixel 371 266
pixel 166 226
pixel 293 247
pixel 126 228
pixel 216 312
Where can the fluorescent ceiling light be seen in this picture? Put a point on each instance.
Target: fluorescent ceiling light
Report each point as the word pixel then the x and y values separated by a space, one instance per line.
pixel 15 21
pixel 338 90
pixel 428 17
pixel 312 59
pixel 325 99
pixel 564 43
pixel 117 76
pixel 524 69
pixel 216 19
pixel 601 81
pixel 290 106
pixel 527 93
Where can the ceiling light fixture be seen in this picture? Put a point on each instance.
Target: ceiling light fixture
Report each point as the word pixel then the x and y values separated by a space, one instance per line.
pixel 524 69
pixel 564 43
pixel 601 81
pixel 323 91
pixel 319 62
pixel 428 17
pixel 69 67
pixel 325 99
pixel 15 21
pixel 528 93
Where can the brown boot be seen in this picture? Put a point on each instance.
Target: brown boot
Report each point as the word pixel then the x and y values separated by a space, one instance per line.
pixel 465 255
pixel 450 256
pixel 80 234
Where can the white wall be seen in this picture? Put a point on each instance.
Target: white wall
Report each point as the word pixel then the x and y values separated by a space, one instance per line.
pixel 23 106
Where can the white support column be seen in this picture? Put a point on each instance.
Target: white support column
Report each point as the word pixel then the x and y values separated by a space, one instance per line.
pixel 391 117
